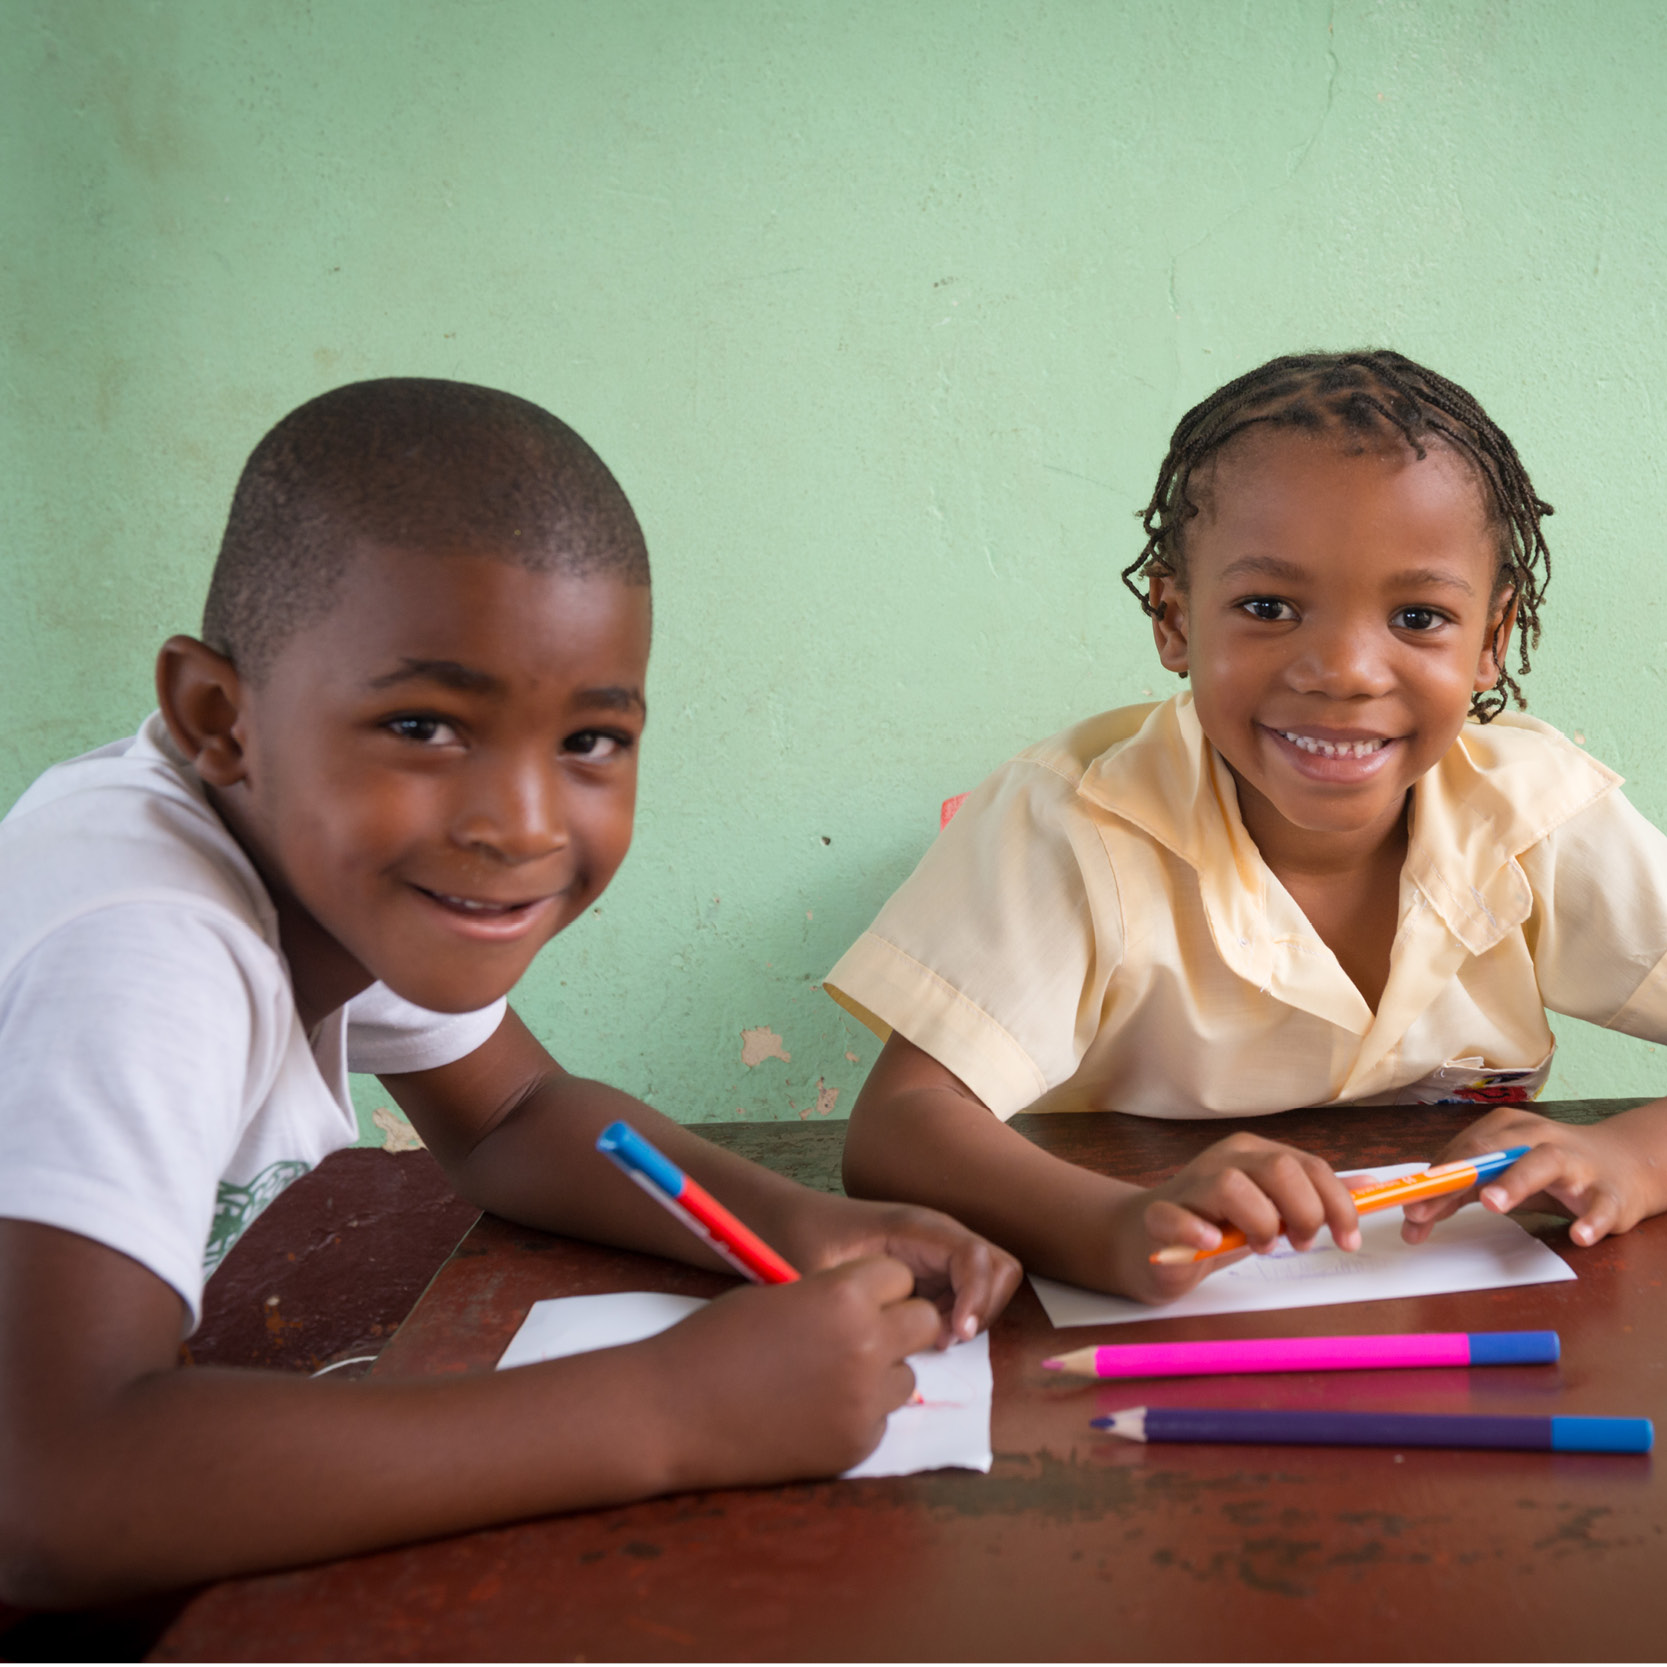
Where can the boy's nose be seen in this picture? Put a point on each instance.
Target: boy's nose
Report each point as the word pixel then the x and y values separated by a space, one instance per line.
pixel 517 812
pixel 1342 661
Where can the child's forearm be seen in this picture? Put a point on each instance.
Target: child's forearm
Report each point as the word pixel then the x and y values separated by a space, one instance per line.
pixel 199 1474
pixel 536 1161
pixel 932 1143
pixel 121 1472
pixel 541 1167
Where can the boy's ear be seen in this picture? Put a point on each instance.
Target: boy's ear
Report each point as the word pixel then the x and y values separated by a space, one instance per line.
pixel 202 700
pixel 1494 650
pixel 1169 621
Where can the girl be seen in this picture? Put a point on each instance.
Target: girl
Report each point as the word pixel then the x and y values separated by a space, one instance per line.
pixel 1308 880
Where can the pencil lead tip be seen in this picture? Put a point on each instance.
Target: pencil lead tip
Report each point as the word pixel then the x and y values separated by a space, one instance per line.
pixel 1054 1365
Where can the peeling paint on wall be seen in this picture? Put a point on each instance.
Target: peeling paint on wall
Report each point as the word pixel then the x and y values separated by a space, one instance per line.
pixel 760 1044
pixel 826 1099
pixel 397 1134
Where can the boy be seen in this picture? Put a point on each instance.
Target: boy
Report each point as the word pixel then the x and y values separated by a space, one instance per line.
pixel 402 758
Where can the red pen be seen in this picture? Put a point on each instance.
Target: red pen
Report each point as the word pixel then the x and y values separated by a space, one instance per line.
pixel 694 1206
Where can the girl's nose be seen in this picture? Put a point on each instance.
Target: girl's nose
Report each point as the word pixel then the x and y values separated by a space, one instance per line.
pixel 1342 661
pixel 516 810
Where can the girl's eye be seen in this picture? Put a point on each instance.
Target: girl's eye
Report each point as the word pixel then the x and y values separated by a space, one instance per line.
pixel 596 744
pixel 1269 608
pixel 427 732
pixel 1418 619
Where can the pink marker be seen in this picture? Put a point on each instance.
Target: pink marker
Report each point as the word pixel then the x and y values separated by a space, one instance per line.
pixel 1311 1354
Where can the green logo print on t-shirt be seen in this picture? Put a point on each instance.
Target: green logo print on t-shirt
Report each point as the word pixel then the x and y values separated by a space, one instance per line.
pixel 236 1207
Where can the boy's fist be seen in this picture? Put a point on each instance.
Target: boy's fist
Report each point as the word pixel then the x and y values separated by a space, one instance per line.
pixel 968 1279
pixel 786 1382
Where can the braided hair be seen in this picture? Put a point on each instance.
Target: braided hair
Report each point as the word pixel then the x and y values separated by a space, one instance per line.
pixel 1361 394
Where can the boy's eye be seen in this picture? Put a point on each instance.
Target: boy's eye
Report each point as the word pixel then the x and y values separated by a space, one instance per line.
pixel 1269 608
pixel 429 732
pixel 1418 619
pixel 596 744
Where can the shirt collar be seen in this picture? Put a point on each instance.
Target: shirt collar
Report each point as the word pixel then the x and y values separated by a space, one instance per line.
pixel 1169 782
pixel 1489 799
pixel 1501 788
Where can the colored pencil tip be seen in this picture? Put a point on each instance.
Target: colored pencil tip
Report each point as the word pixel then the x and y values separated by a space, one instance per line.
pixel 1054 1365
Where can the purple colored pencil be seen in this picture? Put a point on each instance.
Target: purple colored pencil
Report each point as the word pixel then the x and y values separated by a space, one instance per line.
pixel 1262 1426
pixel 1311 1354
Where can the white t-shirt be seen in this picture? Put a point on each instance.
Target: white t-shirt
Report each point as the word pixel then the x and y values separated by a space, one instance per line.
pixel 157 1091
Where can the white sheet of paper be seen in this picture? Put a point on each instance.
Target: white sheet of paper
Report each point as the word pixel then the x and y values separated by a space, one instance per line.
pixel 949 1429
pixel 1474 1250
pixel 575 1325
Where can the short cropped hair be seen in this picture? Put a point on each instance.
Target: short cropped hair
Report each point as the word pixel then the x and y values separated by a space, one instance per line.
pixel 413 463
pixel 1357 396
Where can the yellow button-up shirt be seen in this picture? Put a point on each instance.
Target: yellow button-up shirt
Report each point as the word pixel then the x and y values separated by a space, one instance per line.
pixel 1096 925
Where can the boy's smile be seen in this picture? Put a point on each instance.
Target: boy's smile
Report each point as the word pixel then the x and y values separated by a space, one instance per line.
pixel 440 774
pixel 1337 615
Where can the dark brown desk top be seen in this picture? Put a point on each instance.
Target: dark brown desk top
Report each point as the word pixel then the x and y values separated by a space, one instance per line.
pixel 1073 1546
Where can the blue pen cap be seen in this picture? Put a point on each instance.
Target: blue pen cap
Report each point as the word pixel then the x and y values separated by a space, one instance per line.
pixel 630 1151
pixel 1496 1163
pixel 1601 1435
pixel 1513 1348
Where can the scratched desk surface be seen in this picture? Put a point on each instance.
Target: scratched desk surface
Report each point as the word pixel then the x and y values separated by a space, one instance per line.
pixel 1073 1546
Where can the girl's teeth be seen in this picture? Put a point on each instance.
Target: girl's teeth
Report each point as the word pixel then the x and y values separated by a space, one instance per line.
pixel 1334 749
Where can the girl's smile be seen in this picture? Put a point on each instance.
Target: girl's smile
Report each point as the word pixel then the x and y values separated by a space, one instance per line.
pixel 1338 609
pixel 1337 755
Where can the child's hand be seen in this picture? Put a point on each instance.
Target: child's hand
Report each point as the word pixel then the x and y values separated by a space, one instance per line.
pixel 967 1278
pixel 784 1382
pixel 1603 1174
pixel 1259 1186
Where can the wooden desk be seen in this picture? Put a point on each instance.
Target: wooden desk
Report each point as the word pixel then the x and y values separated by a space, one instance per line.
pixel 1073 1546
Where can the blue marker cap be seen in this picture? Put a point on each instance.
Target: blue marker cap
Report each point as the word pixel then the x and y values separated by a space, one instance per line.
pixel 630 1151
pixel 1513 1348
pixel 1601 1435
pixel 1496 1163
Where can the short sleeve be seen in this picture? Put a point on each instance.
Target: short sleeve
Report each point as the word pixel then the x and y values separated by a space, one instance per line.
pixel 1598 930
pixel 993 956
pixel 135 1041
pixel 387 1035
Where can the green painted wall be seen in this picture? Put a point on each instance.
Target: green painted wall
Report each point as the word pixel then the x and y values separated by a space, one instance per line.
pixel 881 312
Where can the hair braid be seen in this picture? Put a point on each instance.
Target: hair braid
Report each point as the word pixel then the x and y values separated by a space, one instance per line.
pixel 1361 393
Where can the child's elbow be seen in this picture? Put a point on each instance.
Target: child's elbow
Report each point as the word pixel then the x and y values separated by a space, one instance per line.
pixel 863 1166
pixel 36 1567
pixel 52 1553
